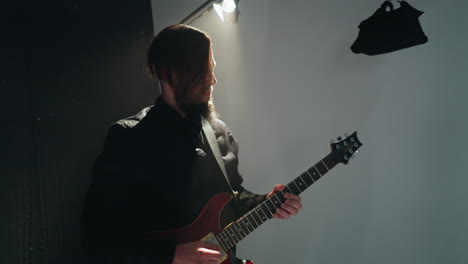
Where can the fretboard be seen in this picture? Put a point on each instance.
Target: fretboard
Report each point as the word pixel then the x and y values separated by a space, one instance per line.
pixel 250 221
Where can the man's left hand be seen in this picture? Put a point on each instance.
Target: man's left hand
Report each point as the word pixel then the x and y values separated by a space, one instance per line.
pixel 290 206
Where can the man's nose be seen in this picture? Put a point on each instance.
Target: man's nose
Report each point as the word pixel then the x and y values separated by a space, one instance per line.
pixel 213 80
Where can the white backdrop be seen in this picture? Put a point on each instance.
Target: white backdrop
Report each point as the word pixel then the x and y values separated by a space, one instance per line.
pixel 288 83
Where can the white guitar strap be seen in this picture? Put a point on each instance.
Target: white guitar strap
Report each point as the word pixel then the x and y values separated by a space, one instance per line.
pixel 210 136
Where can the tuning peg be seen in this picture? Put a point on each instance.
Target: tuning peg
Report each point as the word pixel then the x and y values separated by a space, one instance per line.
pixel 339 138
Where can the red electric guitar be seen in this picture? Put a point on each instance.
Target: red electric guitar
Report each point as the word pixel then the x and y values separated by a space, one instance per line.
pixel 207 227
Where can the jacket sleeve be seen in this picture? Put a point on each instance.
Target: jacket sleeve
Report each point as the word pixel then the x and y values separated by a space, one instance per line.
pixel 105 229
pixel 229 148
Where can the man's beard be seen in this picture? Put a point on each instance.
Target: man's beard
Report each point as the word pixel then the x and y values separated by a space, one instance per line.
pixel 206 109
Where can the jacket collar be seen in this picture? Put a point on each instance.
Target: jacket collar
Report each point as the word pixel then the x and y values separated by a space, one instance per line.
pixel 190 122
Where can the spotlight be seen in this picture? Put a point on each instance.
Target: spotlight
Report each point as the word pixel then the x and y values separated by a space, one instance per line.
pixel 222 8
pixel 229 6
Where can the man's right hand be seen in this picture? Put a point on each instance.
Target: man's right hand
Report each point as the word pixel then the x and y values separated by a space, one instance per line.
pixel 197 253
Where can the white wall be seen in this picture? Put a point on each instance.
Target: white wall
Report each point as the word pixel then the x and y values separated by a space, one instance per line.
pixel 288 83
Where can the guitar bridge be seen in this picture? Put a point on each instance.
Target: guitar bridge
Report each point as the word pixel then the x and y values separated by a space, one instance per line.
pixel 211 239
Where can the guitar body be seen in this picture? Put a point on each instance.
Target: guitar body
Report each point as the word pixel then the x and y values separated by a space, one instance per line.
pixel 208 221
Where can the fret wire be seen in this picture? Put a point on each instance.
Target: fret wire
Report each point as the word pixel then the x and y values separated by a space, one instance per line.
pixel 221 236
pixel 250 218
pixel 280 196
pixel 301 184
pixel 325 165
pixel 264 205
pixel 233 231
pixel 257 212
pixel 310 176
pixel 231 235
pixel 230 239
pixel 264 214
pixel 315 167
pixel 318 168
pixel 239 230
pixel 256 217
pixel 244 227
pixel 321 168
pixel 271 206
pixel 273 202
pixel 278 201
pixel 299 189
pixel 315 172
pixel 238 222
pixel 291 187
pixel 264 211
pixel 226 246
pixel 302 179
pixel 221 242
pixel 227 239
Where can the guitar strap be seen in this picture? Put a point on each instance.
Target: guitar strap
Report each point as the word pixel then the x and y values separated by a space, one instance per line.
pixel 210 136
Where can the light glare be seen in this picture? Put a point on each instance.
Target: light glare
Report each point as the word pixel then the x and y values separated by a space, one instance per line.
pixel 229 6
pixel 219 10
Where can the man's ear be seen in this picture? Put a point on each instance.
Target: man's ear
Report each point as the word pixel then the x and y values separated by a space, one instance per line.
pixel 162 74
pixel 173 78
pixel 167 76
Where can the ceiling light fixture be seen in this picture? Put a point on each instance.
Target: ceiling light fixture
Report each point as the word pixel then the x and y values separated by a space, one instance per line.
pixel 230 7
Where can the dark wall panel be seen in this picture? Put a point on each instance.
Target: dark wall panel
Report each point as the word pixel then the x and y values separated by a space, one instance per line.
pixel 69 69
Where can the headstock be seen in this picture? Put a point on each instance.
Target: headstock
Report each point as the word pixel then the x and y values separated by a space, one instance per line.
pixel 344 149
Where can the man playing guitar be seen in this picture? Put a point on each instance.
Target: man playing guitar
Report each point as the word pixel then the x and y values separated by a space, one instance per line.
pixel 159 168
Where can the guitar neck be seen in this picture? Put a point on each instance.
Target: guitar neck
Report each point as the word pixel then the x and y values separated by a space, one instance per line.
pixel 250 221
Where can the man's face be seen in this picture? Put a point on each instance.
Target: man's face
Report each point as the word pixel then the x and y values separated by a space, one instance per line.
pixel 198 99
pixel 201 93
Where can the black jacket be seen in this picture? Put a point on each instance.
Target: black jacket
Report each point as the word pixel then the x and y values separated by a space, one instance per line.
pixel 143 181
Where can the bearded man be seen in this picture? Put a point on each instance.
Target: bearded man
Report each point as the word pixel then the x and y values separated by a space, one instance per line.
pixel 157 169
